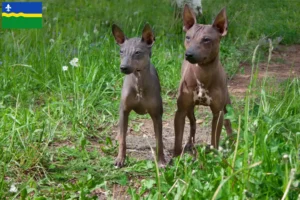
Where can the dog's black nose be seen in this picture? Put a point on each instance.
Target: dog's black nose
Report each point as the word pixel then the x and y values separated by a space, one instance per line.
pixel 125 69
pixel 188 55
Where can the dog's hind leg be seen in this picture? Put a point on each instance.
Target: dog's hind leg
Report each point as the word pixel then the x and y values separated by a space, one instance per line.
pixel 227 122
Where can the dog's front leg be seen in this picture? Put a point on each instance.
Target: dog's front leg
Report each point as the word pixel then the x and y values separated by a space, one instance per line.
pixel 157 124
pixel 192 118
pixel 217 124
pixel 179 122
pixel 123 123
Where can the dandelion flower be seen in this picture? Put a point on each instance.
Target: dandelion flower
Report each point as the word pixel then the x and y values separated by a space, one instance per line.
pixel 64 68
pixel 74 62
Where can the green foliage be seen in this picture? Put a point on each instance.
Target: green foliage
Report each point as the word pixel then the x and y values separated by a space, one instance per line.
pixel 265 159
pixel 250 20
pixel 55 125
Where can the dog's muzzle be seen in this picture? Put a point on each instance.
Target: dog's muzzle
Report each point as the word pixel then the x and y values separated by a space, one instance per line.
pixel 190 57
pixel 125 69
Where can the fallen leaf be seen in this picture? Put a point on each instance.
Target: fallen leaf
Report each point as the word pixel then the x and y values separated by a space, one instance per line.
pixel 199 121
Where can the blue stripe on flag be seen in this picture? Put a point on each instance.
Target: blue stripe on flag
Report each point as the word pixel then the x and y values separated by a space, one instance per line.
pixel 24 7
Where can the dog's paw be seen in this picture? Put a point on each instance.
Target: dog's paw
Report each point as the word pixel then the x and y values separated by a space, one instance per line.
pixel 162 163
pixel 188 147
pixel 119 162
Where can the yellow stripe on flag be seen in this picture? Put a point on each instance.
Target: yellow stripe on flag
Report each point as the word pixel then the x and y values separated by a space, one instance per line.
pixel 20 15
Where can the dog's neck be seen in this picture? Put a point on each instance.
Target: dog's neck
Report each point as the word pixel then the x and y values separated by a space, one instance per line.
pixel 141 81
pixel 205 73
pixel 210 65
pixel 138 85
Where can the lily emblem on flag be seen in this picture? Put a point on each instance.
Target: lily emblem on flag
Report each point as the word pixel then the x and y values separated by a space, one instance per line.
pixel 22 15
pixel 8 8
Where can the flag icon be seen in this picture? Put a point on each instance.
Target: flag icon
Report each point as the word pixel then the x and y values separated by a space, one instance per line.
pixel 20 15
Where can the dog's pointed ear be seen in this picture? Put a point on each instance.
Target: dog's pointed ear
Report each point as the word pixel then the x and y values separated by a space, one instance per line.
pixel 221 23
pixel 189 18
pixel 147 35
pixel 118 34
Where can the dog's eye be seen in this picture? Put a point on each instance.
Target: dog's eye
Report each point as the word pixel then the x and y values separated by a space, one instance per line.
pixel 137 52
pixel 121 51
pixel 187 38
pixel 206 40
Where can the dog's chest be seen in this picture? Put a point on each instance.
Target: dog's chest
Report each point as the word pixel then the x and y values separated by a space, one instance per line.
pixel 201 95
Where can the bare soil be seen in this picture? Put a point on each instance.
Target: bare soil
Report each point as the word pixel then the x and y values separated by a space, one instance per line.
pixel 284 64
pixel 139 141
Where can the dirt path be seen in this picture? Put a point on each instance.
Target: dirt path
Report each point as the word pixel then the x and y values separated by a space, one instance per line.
pixel 139 141
pixel 285 63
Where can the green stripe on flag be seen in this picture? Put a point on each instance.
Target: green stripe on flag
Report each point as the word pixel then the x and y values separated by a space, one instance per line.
pixel 21 22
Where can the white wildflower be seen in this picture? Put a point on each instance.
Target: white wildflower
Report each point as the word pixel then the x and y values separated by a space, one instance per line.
pixel 96 31
pixel 64 68
pixel 13 189
pixel 55 19
pixel 44 8
pixel 74 62
pixel 85 34
pixel 221 149
pixel 285 156
pixel 51 40
pixel 211 147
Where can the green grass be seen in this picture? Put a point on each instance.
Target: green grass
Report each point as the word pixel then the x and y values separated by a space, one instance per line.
pixel 55 136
